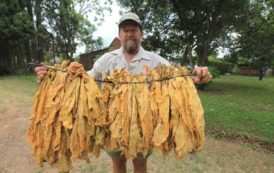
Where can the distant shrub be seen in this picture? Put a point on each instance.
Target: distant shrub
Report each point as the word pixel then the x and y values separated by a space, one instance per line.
pixel 21 71
pixel 214 71
pixel 222 66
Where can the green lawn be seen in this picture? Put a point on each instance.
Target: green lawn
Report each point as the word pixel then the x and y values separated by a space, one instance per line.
pixel 240 105
pixel 18 84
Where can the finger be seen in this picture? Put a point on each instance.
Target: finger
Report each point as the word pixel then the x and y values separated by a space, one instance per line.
pixel 38 81
pixel 40 77
pixel 203 80
pixel 206 79
pixel 40 68
pixel 196 80
pixel 197 71
pixel 204 72
pixel 42 73
pixel 201 72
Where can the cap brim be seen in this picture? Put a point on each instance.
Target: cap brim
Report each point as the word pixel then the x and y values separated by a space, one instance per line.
pixel 132 21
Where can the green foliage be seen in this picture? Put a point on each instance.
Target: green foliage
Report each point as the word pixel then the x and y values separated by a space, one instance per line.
pixel 212 58
pixel 182 26
pixel 15 23
pixel 214 71
pixel 183 29
pixel 70 27
pixel 21 71
pixel 35 30
pixel 222 66
pixel 48 57
pixel 257 34
pixel 16 29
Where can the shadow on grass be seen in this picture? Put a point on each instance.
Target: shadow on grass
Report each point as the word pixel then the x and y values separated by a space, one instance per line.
pixel 239 138
pixel 224 87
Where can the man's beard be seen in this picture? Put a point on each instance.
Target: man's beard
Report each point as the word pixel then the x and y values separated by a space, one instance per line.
pixel 131 46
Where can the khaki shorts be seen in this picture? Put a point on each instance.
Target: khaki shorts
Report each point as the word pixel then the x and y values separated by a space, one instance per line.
pixel 118 153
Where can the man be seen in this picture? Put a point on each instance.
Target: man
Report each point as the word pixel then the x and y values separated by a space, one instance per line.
pixel 134 58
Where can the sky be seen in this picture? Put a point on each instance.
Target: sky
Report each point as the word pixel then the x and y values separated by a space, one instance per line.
pixel 108 30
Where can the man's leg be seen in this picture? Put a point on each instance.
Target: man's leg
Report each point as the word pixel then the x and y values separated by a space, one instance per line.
pixel 140 165
pixel 119 164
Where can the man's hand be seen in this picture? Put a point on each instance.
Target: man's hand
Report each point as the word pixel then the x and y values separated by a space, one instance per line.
pixel 41 72
pixel 202 75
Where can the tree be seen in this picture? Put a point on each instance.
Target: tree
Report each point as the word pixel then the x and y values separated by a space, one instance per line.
pixel 187 26
pixel 257 35
pixel 31 28
pixel 67 26
pixel 15 29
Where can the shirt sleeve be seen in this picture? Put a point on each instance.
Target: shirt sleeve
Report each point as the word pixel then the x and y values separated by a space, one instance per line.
pixel 97 69
pixel 162 60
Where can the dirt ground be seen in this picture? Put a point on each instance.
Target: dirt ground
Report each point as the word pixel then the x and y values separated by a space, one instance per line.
pixel 16 155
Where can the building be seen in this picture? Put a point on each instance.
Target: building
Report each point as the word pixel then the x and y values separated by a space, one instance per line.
pixel 244 69
pixel 88 59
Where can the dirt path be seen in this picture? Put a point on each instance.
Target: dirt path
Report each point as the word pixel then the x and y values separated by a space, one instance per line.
pixel 15 153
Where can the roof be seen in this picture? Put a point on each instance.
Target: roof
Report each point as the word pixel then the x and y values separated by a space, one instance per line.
pixel 115 44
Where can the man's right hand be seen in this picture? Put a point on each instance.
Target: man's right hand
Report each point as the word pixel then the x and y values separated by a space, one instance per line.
pixel 41 72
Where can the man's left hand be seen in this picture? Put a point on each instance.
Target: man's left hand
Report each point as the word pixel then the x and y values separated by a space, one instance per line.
pixel 202 75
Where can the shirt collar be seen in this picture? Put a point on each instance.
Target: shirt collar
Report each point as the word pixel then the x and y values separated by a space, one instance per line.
pixel 118 52
pixel 140 55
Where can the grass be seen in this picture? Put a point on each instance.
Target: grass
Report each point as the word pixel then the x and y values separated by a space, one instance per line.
pixel 18 84
pixel 19 87
pixel 240 105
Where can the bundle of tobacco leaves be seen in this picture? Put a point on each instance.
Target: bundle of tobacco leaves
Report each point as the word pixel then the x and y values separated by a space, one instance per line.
pixel 71 116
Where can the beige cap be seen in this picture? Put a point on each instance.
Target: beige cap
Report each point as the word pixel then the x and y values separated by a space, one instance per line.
pixel 130 16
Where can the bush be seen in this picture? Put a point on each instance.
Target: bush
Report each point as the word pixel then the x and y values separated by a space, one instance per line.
pixel 221 66
pixel 21 71
pixel 214 71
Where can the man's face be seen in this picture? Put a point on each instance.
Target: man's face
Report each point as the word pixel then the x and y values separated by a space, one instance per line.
pixel 131 36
